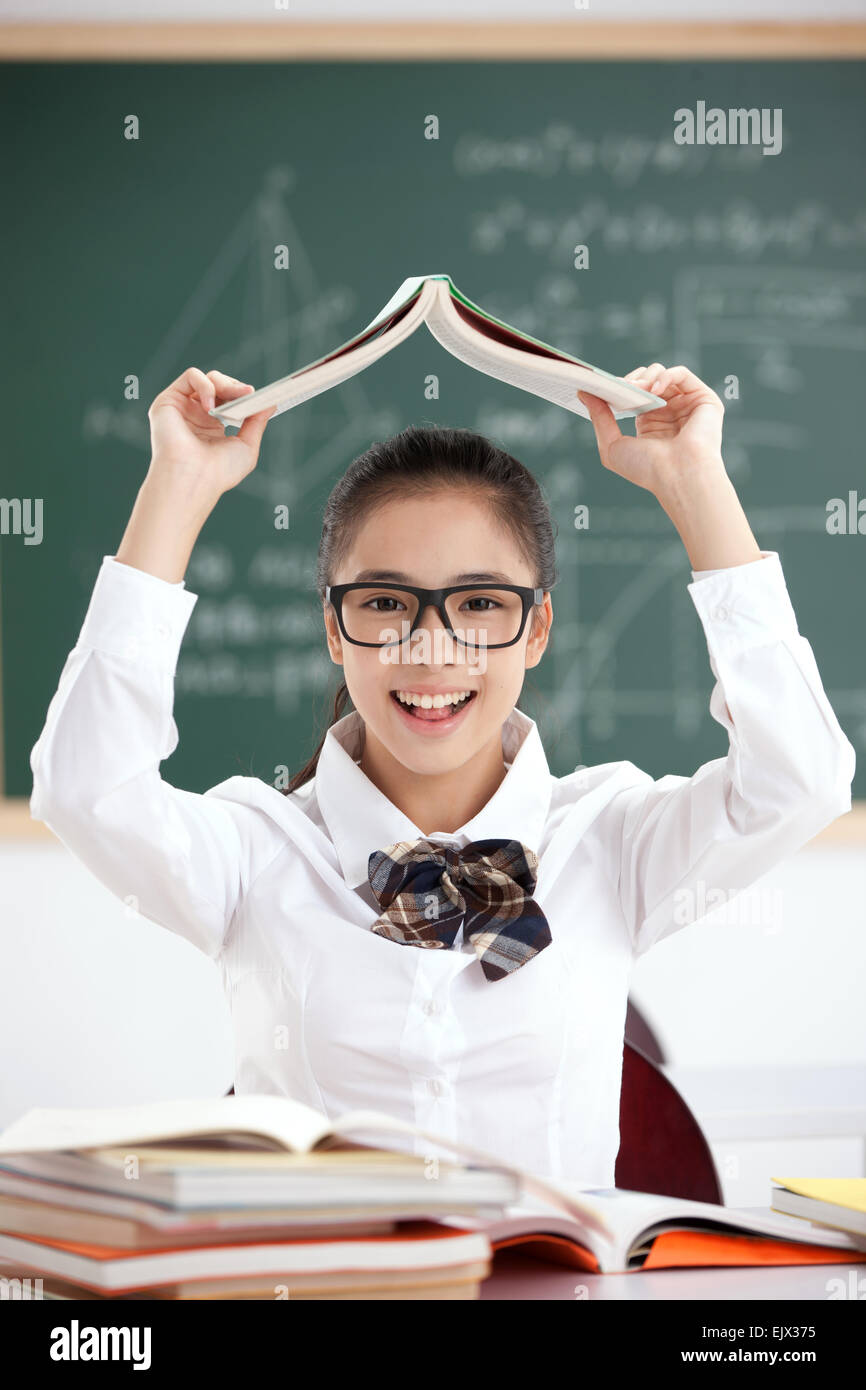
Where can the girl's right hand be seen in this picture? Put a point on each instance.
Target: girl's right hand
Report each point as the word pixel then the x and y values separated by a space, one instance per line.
pixel 193 463
pixel 190 448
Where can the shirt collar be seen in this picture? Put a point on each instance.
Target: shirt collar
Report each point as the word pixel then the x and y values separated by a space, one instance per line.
pixel 361 819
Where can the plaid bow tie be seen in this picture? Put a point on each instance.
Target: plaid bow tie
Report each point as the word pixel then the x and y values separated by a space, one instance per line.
pixel 427 890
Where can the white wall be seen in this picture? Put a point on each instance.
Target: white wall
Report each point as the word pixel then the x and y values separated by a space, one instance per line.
pixel 98 1006
pixel 779 978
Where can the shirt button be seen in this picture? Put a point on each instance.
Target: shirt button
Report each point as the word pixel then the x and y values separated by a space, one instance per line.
pixel 721 613
pixel 431 1007
pixel 161 630
pixel 435 1087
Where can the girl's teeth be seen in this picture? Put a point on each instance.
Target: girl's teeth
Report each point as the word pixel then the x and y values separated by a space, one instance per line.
pixel 432 701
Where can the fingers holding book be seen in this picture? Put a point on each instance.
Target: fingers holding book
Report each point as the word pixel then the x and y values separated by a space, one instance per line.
pixel 687 429
pixel 189 444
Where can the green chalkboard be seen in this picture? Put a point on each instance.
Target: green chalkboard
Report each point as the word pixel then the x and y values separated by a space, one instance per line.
pixel 140 257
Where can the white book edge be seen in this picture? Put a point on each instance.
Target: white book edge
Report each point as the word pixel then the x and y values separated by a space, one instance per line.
pixel 328 371
pixel 559 380
pixel 822 1214
pixel 199 1191
pixel 84 1203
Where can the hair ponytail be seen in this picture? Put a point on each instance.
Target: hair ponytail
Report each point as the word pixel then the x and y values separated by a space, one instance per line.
pixel 341 699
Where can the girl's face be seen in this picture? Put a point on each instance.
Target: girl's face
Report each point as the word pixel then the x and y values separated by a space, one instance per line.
pixel 433 541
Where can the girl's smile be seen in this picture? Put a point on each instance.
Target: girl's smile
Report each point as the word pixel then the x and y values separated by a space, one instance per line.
pixel 432 711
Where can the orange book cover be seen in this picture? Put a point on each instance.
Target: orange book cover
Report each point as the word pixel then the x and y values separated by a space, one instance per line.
pixel 408 1230
pixel 684 1249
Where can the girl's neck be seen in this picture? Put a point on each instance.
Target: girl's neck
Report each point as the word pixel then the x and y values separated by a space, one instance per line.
pixel 440 802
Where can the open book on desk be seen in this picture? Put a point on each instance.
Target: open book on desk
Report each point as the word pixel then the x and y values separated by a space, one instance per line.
pixel 646 1231
pixel 594 1229
pixel 470 334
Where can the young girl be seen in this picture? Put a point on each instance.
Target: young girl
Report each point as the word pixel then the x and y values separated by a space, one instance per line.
pixel 429 923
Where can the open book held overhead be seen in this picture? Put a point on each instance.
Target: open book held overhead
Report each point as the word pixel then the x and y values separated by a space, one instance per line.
pixel 469 333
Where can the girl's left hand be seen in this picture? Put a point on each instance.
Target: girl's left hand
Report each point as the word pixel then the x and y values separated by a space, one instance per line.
pixel 685 435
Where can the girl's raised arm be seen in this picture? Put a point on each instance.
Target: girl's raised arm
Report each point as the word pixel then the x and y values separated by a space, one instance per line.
pixel 193 462
pixel 179 858
pixel 689 845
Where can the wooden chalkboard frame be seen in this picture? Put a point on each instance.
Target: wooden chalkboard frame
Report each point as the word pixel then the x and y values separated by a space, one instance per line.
pixel 581 38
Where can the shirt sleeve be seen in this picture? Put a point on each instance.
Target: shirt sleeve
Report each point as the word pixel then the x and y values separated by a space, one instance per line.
pixel 179 858
pixel 691 844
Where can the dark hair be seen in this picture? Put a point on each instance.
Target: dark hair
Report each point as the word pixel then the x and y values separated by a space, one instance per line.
pixel 420 459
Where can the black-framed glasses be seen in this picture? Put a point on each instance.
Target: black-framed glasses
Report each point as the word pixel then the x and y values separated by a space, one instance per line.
pixel 476 615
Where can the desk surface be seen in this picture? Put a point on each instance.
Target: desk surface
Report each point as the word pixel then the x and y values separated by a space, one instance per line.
pixel 517 1276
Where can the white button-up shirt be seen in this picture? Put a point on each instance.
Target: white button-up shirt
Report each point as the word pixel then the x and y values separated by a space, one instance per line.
pixel 274 888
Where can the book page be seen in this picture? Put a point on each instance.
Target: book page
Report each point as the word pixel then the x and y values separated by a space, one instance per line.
pixel 287 1123
pixel 552 378
pixel 328 371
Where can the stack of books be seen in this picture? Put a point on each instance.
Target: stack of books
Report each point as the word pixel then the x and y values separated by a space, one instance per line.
pixel 241 1197
pixel 262 1197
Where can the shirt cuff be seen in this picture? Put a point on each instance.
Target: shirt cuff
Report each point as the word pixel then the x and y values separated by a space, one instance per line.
pixel 698 575
pixel 136 616
pixel 745 605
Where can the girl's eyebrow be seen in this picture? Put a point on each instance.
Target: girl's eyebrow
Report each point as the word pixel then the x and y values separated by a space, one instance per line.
pixel 397 577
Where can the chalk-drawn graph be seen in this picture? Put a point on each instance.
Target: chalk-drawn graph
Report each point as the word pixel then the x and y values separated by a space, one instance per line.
pixel 251 643
pixel 780 315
